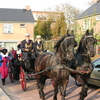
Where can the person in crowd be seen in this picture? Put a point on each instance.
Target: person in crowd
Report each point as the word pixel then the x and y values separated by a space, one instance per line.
pixel 12 53
pixel 4 59
pixel 16 69
pixel 38 45
pixel 27 49
pixel 26 46
pixel 19 45
pixel 19 52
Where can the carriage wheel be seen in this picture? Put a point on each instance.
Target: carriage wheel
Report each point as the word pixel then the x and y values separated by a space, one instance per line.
pixel 52 81
pixel 23 80
pixel 11 76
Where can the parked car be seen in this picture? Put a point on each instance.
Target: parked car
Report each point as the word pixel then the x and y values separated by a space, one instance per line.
pixel 95 75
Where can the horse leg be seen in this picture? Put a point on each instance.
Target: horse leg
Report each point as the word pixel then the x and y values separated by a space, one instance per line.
pixel 83 82
pixel 55 90
pixel 63 88
pixel 40 82
pixel 83 94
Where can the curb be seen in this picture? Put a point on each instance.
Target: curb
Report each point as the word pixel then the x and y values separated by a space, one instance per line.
pixel 3 95
pixel 7 94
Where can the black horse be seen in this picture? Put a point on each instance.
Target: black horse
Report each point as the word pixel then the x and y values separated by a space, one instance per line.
pixel 64 52
pixel 82 61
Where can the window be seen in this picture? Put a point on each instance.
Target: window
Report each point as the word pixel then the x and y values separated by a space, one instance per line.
pixel 22 25
pixel 87 24
pixel 97 66
pixel 96 62
pixel 98 17
pixel 8 28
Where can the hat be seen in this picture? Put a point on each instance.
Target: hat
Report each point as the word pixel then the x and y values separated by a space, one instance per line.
pixel 27 34
pixel 38 36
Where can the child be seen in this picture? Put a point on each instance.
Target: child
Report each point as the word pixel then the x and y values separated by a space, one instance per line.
pixel 4 65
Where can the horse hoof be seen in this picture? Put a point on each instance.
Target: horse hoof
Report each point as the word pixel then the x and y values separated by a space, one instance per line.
pixel 81 99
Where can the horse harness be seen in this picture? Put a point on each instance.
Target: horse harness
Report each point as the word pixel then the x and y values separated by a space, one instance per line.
pixel 64 41
pixel 87 37
pixel 59 66
pixel 91 36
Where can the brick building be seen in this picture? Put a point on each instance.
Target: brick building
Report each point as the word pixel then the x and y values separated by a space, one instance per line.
pixel 14 23
pixel 90 18
pixel 45 15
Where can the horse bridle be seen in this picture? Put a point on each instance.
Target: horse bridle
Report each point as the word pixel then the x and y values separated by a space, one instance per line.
pixel 65 41
pixel 85 40
pixel 87 37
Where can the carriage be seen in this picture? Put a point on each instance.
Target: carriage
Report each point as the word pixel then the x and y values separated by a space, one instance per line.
pixel 11 72
pixel 46 65
pixel 25 70
pixel 12 64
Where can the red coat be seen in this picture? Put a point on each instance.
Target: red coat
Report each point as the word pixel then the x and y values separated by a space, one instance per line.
pixel 14 54
pixel 4 66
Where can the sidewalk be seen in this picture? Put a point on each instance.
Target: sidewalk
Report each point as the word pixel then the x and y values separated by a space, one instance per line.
pixel 3 95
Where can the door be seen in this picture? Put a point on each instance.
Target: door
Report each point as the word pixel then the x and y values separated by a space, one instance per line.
pixel 96 71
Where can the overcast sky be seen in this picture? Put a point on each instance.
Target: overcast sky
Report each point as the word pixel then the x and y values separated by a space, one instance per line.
pixel 41 5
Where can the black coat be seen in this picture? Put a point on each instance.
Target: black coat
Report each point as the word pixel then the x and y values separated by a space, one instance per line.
pixel 38 47
pixel 24 45
pixel 19 46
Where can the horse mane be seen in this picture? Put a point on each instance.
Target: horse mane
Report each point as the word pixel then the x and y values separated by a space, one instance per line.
pixel 62 38
pixel 58 43
pixel 80 45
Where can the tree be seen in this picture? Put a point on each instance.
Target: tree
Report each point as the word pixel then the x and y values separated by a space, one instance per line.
pixel 59 27
pixel 39 28
pixel 70 13
pixel 43 28
pixel 48 29
pixel 97 36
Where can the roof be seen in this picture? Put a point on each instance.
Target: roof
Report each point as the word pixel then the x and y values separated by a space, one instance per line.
pixel 92 10
pixel 16 15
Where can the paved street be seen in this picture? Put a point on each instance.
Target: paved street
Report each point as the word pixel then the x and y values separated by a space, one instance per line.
pixel 14 91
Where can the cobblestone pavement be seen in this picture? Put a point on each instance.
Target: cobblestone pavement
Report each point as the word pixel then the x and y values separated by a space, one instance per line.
pixel 14 91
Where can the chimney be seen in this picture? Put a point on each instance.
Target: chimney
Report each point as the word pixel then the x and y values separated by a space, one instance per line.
pixel 27 7
pixel 95 1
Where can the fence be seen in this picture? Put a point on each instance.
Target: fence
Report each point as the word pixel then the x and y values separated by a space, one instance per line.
pixel 49 45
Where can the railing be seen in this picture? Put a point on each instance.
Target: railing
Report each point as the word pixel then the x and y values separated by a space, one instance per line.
pixel 49 45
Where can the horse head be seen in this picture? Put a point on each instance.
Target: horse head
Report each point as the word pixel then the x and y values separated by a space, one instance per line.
pixel 88 42
pixel 65 46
